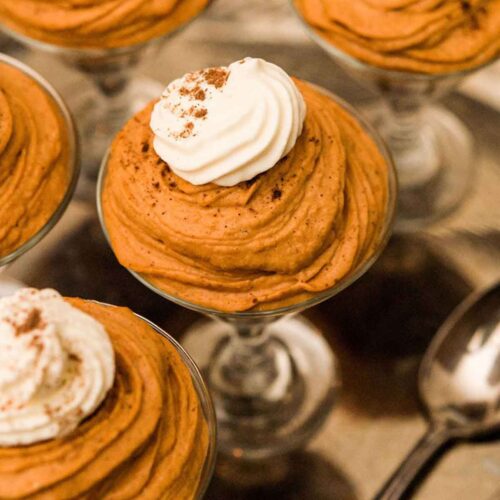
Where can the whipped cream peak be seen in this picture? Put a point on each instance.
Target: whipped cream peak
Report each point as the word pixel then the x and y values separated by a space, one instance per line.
pixel 228 124
pixel 56 367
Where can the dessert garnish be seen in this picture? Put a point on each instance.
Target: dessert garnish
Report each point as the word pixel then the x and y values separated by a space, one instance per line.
pixel 56 367
pixel 228 124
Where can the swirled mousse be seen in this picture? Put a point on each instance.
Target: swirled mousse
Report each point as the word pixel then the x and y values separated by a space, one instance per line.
pixel 34 158
pixel 93 404
pixel 97 23
pixel 290 232
pixel 423 36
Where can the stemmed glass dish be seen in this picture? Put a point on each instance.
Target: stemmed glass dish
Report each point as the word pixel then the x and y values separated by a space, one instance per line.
pixel 117 408
pixel 73 166
pixel 273 382
pixel 116 94
pixel 432 149
pixel 205 404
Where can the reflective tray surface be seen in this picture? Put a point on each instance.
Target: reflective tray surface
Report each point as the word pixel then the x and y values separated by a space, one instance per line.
pixel 379 327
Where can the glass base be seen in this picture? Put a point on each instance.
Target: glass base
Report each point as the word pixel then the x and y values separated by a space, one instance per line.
pixel 98 122
pixel 434 179
pixel 277 407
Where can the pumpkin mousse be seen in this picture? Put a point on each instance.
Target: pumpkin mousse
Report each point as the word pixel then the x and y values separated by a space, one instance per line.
pixel 97 23
pixel 422 36
pixel 244 189
pixel 35 157
pixel 93 404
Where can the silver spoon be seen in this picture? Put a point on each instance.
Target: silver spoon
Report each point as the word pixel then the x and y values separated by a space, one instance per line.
pixel 459 384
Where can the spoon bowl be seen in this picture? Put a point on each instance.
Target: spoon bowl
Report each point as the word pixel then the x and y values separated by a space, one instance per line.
pixel 459 384
pixel 459 379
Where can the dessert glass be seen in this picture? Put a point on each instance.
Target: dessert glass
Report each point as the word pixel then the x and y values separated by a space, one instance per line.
pixel 272 375
pixel 116 94
pixel 432 149
pixel 73 167
pixel 206 406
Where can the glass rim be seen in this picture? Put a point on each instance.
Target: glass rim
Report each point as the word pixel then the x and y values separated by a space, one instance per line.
pixel 69 50
pixel 74 163
pixel 357 63
pixel 384 236
pixel 206 402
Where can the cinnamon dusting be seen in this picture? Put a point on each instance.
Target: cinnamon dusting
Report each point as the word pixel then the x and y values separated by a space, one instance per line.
pixel 215 76
pixel 32 322
pixel 195 87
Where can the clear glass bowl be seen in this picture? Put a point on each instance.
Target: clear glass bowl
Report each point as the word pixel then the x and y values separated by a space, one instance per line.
pixel 206 406
pixel 117 93
pixel 73 167
pixel 205 403
pixel 432 149
pixel 273 382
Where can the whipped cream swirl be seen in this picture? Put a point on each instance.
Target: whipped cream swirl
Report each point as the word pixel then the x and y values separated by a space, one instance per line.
pixel 56 367
pixel 226 125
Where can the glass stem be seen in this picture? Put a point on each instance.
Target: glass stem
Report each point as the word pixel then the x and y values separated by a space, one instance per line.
pixel 411 142
pixel 114 87
pixel 111 76
pixel 250 366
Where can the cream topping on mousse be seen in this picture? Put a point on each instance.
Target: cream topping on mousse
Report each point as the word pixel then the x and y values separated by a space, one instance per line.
pixel 56 367
pixel 226 125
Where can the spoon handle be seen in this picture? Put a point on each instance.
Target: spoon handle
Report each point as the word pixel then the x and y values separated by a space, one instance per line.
pixel 405 474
